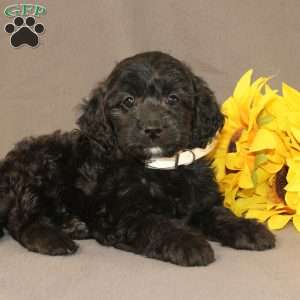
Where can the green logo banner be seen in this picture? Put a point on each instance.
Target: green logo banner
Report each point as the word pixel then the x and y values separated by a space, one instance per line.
pixel 23 9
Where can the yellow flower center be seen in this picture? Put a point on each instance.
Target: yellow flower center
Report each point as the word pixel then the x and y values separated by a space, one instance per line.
pixel 235 137
pixel 279 192
pixel 280 182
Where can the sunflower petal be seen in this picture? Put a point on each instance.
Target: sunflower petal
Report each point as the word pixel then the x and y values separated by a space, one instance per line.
pixel 296 222
pixel 296 133
pixel 264 139
pixel 292 199
pixel 243 85
pixel 246 179
pixel 278 221
pixel 292 97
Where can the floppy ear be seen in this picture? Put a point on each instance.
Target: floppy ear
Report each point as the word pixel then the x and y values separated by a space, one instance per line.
pixel 207 119
pixel 93 121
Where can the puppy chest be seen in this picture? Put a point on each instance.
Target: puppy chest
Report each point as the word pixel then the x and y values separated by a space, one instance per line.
pixel 155 192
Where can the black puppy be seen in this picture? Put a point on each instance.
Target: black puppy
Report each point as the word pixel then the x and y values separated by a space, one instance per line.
pixel 97 182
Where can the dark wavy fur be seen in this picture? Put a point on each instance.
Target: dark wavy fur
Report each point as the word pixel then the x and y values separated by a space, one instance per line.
pixel 92 183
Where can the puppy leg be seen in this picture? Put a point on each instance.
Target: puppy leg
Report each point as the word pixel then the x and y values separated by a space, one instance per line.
pixel 157 237
pixel 221 225
pixel 28 226
pixel 45 239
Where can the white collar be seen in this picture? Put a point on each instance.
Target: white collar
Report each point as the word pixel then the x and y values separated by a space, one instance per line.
pixel 185 158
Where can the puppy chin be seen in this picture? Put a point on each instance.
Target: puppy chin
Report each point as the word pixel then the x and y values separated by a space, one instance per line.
pixel 143 153
pixel 155 151
pixel 146 153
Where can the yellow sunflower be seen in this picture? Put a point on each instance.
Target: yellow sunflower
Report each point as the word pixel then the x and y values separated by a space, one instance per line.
pixel 278 199
pixel 233 161
pixel 257 158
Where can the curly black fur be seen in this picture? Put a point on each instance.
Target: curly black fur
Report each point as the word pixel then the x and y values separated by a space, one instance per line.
pixel 93 182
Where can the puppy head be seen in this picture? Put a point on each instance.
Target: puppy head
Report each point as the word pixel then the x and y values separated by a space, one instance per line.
pixel 152 105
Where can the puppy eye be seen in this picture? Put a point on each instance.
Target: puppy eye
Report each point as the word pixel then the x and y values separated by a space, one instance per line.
pixel 129 101
pixel 172 99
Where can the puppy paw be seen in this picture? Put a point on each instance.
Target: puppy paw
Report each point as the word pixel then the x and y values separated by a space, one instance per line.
pixel 76 229
pixel 251 235
pixel 47 240
pixel 187 249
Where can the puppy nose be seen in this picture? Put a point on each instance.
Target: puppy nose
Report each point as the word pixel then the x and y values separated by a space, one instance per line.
pixel 153 132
